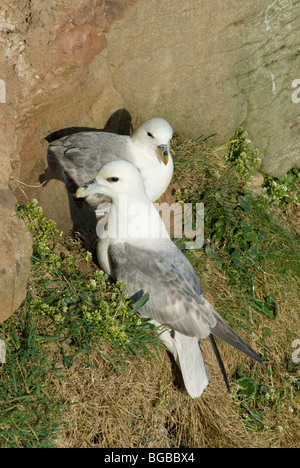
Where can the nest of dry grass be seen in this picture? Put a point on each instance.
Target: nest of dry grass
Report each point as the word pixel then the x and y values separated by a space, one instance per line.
pixel 147 407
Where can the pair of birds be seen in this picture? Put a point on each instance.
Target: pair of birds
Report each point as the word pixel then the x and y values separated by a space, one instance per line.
pixel 141 167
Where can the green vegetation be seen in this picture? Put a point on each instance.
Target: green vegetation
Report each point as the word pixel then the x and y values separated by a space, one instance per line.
pixel 241 155
pixel 282 190
pixel 74 318
pixel 258 259
pixel 66 313
pixel 84 306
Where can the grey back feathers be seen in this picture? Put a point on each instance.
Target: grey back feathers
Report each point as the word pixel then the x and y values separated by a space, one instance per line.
pixel 80 156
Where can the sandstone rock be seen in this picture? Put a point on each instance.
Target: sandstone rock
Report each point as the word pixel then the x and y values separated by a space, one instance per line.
pixel 258 180
pixel 206 67
pixel 55 201
pixel 210 66
pixel 69 214
pixel 15 248
pixel 15 241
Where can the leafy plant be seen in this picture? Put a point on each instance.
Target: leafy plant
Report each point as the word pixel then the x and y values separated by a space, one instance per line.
pixel 245 159
pixel 241 155
pixel 256 400
pixel 85 306
pixel 247 391
pixel 282 190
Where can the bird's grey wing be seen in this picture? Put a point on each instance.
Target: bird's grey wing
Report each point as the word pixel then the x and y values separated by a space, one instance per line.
pixel 174 294
pixel 225 332
pixel 81 155
pixel 175 297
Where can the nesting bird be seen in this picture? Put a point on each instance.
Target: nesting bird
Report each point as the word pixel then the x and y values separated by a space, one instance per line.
pixel 138 250
pixel 81 155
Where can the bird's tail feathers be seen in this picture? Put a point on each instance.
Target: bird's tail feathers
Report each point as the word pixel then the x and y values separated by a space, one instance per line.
pixel 191 363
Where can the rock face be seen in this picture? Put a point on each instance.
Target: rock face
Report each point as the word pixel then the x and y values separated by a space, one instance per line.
pixel 15 247
pixel 205 66
pixel 15 241
pixel 212 66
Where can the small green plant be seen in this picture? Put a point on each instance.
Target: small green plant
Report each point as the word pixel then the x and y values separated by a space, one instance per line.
pixel 241 155
pixel 182 196
pixel 256 400
pixel 245 159
pixel 45 233
pixel 282 190
pixel 83 305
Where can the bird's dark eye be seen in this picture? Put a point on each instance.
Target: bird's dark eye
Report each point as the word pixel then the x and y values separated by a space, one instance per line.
pixel 150 135
pixel 112 179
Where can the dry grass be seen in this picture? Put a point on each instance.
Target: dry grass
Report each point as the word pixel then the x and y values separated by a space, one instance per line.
pixel 145 408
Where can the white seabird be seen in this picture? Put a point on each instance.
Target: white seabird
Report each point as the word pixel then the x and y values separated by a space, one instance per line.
pixel 81 155
pixel 152 263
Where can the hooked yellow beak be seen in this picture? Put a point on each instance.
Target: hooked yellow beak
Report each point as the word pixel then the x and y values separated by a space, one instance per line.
pixel 164 154
pixel 88 189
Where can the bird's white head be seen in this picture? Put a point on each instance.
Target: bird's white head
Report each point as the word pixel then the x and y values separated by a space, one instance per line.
pixel 155 133
pixel 115 178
